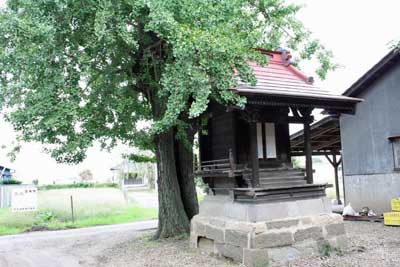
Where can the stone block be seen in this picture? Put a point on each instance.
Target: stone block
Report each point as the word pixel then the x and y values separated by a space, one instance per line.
pixel 229 251
pixel 270 240
pixel 206 245
pixel 306 220
pixel 324 219
pixel 307 248
pixel 255 257
pixel 259 228
pixel 218 222
pixel 215 233
pixel 282 224
pixel 223 206
pixel 268 211
pixel 240 226
pixel 198 227
pixel 336 229
pixel 306 207
pixel 283 254
pixel 313 233
pixel 193 240
pixel 238 238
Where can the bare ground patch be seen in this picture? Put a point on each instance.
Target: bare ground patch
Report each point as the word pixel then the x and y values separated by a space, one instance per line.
pixel 144 252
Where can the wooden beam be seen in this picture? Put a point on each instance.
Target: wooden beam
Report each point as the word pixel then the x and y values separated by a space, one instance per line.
pixel 315 153
pixel 326 144
pixel 315 134
pixel 294 120
pixel 253 154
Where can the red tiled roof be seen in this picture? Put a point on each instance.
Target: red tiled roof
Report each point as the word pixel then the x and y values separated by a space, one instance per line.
pixel 280 78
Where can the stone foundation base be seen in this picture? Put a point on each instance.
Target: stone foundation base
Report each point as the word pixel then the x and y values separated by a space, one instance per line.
pixel 265 243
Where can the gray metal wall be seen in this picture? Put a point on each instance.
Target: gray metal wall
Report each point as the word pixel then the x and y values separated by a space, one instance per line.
pixel 369 176
pixel 366 148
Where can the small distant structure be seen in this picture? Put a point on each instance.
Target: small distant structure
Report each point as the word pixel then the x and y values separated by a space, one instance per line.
pixel 6 174
pixel 21 197
pixel 134 175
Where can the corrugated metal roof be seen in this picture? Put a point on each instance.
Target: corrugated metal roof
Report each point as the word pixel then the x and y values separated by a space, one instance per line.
pixel 325 138
pixel 280 78
pixel 377 71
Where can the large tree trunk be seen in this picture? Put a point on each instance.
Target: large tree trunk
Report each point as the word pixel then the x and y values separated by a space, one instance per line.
pixel 184 160
pixel 172 218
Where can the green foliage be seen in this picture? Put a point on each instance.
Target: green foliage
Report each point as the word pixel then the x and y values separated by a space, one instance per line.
pixel 139 158
pixel 45 217
pixel 327 249
pixel 76 72
pixel 10 182
pixel 35 182
pixel 91 206
pixel 200 184
pixel 297 162
pixel 78 185
pixel 128 175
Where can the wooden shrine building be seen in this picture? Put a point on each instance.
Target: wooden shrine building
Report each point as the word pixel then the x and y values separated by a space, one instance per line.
pixel 247 152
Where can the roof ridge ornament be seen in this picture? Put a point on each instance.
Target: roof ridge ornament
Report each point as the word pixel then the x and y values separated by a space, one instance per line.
pixel 286 56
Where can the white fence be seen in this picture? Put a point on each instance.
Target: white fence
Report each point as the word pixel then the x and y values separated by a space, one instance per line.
pixel 6 192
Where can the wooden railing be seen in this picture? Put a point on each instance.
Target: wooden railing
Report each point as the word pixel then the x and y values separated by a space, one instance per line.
pixel 219 167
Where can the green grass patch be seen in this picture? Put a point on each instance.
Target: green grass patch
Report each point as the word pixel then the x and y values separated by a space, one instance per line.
pixel 78 185
pixel 91 207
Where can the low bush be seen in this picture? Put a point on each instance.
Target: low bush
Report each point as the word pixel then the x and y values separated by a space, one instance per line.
pixel 12 181
pixel 78 185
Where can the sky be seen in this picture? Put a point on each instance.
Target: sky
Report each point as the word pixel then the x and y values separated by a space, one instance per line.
pixel 357 31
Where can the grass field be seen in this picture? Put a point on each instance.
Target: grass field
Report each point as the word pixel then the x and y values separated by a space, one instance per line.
pixel 94 206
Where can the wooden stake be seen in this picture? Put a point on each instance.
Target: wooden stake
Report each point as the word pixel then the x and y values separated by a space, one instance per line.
pixel 72 210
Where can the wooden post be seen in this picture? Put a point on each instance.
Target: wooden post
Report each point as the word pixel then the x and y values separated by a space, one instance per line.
pixel 253 155
pixel 307 147
pixel 232 165
pixel 72 210
pixel 336 178
pixel 335 164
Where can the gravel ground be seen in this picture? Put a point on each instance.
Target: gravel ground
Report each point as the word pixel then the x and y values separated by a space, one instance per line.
pixel 370 244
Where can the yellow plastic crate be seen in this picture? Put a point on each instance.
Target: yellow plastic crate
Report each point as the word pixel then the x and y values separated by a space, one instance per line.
pixel 391 218
pixel 396 204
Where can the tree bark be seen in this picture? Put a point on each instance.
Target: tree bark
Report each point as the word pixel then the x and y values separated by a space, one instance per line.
pixel 184 165
pixel 172 218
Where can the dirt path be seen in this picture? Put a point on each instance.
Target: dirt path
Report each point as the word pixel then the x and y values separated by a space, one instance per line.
pixel 67 248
